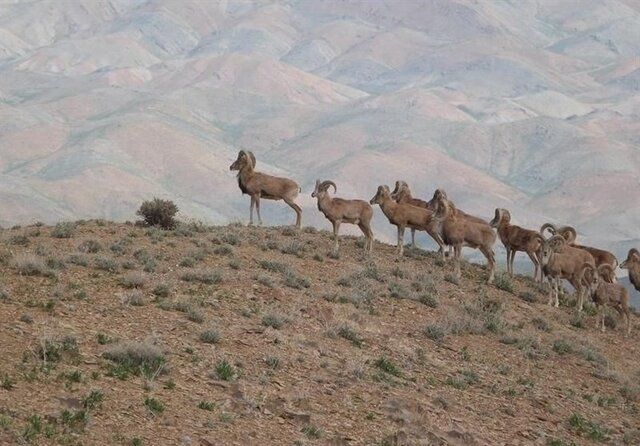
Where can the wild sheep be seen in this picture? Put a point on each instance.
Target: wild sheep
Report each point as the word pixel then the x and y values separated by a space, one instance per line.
pixel 402 194
pixel 405 215
pixel 562 261
pixel 458 231
pixel 603 293
pixel 600 256
pixel 632 264
pixel 338 210
pixel 514 238
pixel 260 185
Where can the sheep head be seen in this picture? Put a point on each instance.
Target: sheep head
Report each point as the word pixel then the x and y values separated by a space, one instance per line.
pixel 400 189
pixel 244 158
pixel 322 187
pixel 633 258
pixel 381 195
pixel 500 216
pixel 550 247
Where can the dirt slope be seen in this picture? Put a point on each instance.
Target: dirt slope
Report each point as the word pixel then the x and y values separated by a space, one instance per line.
pixel 302 348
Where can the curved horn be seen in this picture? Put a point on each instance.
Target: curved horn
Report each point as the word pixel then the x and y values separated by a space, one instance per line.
pixel 569 233
pixel 550 226
pixel 557 241
pixel 253 159
pixel 583 269
pixel 633 252
pixel 325 185
pixel 609 270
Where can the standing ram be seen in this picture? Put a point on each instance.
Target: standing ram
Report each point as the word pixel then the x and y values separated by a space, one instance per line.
pixel 339 210
pixel 261 185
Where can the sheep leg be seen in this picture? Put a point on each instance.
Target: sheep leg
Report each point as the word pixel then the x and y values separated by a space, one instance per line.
pixel 491 262
pixel 627 316
pixel 555 289
pixel 580 295
pixel 336 228
pixel 536 264
pixel 368 236
pixel 400 241
pixel 508 259
pixel 253 203
pixel 550 284
pixel 258 210
pixel 457 251
pixel 413 238
pixel 602 318
pixel 296 208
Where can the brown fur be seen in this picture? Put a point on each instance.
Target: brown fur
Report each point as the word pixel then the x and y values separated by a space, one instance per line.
pixel 603 293
pixel 261 185
pixel 632 264
pixel 562 261
pixel 515 238
pixel 338 210
pixel 600 256
pixel 404 215
pixel 459 231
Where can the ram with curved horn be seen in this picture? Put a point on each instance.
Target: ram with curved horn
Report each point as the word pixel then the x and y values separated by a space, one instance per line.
pixel 605 294
pixel 458 231
pixel 515 238
pixel 600 256
pixel 562 261
pixel 404 215
pixel 339 210
pixel 632 264
pixel 261 185
pixel 402 194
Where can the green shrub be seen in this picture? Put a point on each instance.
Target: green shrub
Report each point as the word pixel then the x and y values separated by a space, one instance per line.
pixel 208 277
pixel 63 230
pixel 225 371
pixel 135 358
pixel 210 336
pixel 387 366
pixel 160 213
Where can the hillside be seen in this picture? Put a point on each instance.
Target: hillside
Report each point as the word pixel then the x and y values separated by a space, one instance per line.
pixel 105 103
pixel 116 334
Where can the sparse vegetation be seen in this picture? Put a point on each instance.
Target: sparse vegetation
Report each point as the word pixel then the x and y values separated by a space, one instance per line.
pixel 135 358
pixel 63 230
pixel 273 320
pixel 154 406
pixel 348 333
pixel 207 277
pixel 225 371
pixel 386 328
pixel 210 336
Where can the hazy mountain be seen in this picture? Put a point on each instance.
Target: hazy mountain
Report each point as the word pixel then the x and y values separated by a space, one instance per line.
pixel 530 105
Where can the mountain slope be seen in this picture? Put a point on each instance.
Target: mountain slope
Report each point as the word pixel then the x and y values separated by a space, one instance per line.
pixel 259 336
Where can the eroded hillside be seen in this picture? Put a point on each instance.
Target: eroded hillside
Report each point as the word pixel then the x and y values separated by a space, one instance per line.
pixel 115 334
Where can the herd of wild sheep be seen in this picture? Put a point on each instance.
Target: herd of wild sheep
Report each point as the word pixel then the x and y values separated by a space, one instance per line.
pixel 591 271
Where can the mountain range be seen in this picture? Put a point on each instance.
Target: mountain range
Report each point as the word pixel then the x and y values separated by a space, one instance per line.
pixel 528 105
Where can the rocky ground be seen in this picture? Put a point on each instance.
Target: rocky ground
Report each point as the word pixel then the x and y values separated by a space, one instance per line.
pixel 115 334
